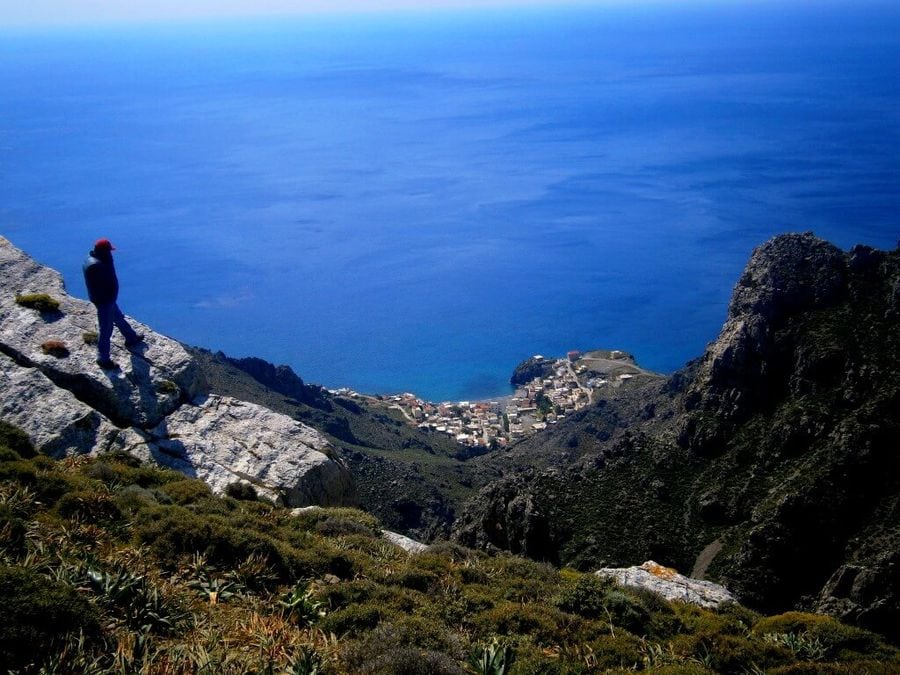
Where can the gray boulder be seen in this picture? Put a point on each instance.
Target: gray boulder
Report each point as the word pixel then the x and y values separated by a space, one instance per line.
pixel 57 422
pixel 404 542
pixel 670 584
pixel 223 441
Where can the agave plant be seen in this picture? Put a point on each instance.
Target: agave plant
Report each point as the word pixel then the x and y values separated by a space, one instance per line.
pixel 139 601
pixel 495 659
pixel 215 590
pixel 306 662
pixel 299 606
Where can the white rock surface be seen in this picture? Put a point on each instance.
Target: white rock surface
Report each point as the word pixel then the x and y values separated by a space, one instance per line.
pixel 223 441
pixel 668 583
pixel 404 542
pixel 150 407
pixel 57 422
pixel 139 394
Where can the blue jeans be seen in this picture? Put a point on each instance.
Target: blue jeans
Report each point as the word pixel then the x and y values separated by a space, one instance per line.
pixel 107 316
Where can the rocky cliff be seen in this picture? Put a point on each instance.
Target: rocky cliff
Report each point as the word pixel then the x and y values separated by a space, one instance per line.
pixel 155 405
pixel 769 464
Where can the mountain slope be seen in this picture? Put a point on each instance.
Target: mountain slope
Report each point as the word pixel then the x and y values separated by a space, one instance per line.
pixel 770 464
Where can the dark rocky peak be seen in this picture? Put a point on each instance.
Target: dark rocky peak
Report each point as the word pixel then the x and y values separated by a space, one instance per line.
pixel 788 274
pixel 796 324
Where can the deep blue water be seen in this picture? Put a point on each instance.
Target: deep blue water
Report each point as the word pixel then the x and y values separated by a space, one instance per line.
pixel 419 202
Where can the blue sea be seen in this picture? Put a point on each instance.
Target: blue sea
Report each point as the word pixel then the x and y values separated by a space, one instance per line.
pixel 418 201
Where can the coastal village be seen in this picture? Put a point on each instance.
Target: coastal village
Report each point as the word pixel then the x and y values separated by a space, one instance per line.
pixel 564 386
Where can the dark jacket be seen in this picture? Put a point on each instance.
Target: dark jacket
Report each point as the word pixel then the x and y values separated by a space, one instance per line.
pixel 100 278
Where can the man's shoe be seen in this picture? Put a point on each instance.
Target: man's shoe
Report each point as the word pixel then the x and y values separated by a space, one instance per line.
pixel 107 364
pixel 136 340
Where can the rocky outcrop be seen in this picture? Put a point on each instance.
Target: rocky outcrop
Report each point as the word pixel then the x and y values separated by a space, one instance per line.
pixel 525 372
pixel 224 441
pixel 55 421
pixel 746 366
pixel 404 542
pixel 152 406
pixel 671 585
pixel 505 516
pixel 153 379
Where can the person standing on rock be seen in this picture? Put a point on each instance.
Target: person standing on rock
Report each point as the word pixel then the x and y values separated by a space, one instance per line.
pixel 103 290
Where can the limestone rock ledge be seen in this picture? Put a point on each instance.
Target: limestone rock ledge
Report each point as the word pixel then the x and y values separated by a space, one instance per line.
pixel 669 584
pixel 152 407
pixel 404 542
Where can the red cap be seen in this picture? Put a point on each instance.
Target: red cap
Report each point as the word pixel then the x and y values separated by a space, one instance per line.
pixel 102 244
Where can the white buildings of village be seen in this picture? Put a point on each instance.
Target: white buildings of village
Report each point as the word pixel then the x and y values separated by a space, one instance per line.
pixel 534 406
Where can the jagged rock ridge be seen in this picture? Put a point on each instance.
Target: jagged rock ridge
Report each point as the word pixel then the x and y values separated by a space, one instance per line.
pixel 154 406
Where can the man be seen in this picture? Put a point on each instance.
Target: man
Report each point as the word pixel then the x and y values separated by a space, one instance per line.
pixel 103 290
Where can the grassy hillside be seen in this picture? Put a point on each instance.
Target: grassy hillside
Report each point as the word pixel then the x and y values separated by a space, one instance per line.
pixel 107 566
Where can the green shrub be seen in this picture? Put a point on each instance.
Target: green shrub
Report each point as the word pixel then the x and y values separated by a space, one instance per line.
pixel 48 486
pixel 103 472
pixel 333 526
pixel 351 619
pixel 39 301
pixel 621 651
pixel 90 506
pixel 392 649
pixel 838 640
pixel 626 611
pixel 453 552
pixel 424 632
pixel 734 654
pixel 7 455
pixel 167 388
pixel 416 579
pixel 241 491
pixel 543 624
pixel 16 440
pixel 308 520
pixel 37 615
pixel 12 531
pixel 538 664
pixel 410 661
pixel 862 667
pixel 121 469
pixel 173 530
pixel 586 597
pixel 336 596
pixel 132 498
pixel 186 491
pixel 90 337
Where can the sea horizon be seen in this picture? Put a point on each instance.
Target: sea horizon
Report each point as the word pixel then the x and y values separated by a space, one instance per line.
pixel 407 204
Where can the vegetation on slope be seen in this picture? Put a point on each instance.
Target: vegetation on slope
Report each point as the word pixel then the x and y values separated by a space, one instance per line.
pixel 770 464
pixel 108 566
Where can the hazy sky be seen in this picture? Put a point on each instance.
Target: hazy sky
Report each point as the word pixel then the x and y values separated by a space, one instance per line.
pixel 37 12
